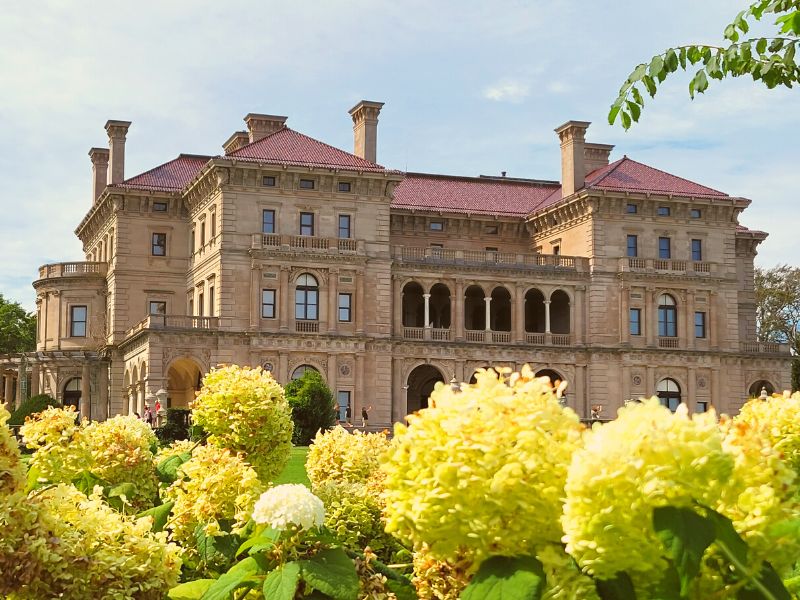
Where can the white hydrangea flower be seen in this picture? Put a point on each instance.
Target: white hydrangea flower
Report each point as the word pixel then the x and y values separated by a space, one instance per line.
pixel 287 504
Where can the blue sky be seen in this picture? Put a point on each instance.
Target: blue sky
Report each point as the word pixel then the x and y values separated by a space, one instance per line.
pixel 469 88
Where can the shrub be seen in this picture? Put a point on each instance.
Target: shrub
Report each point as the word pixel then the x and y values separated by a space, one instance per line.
pixel 12 472
pixel 312 405
pixel 32 406
pixel 777 419
pixel 245 410
pixel 176 427
pixel 482 470
pixel 59 444
pixel 340 456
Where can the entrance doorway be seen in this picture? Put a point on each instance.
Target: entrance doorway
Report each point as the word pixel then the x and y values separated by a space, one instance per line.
pixel 421 382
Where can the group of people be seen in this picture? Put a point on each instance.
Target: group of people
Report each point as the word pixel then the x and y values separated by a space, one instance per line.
pixel 150 416
pixel 364 416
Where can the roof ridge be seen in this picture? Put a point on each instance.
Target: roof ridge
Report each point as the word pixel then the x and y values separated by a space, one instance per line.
pixel 675 176
pixel 613 167
pixel 509 181
pixel 151 170
pixel 308 137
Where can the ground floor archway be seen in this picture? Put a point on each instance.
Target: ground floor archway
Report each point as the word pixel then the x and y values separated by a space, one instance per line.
pixel 184 378
pixel 72 393
pixel 421 382
pixel 761 384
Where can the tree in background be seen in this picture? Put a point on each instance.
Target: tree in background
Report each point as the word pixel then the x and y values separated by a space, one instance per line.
pixel 312 406
pixel 769 60
pixel 778 310
pixel 17 328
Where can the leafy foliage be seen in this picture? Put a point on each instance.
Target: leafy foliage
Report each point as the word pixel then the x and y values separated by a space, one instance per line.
pixel 17 328
pixel 778 305
pixel 32 406
pixel 340 456
pixel 176 427
pixel 312 405
pixel 768 60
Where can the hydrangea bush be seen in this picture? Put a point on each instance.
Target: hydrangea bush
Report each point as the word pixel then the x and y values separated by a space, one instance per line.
pixel 61 450
pixel 341 456
pixel 777 419
pixel 245 410
pixel 12 473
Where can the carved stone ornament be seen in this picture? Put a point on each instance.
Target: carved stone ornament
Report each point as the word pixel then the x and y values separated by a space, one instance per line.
pixel 637 380
pixel 344 370
pixel 701 382
pixel 268 366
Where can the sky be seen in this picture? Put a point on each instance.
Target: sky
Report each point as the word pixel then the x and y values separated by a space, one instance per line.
pixel 470 88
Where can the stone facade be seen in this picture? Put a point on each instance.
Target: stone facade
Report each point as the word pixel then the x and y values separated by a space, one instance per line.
pixel 286 253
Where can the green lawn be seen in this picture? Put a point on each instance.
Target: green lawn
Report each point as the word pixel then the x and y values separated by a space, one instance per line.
pixel 295 470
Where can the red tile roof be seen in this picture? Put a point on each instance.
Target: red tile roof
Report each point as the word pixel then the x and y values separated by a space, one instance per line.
pixel 470 194
pixel 288 147
pixel 172 176
pixel 626 175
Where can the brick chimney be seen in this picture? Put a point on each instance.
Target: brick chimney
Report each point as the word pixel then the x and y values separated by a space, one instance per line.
pixel 573 166
pixel 99 158
pixel 596 156
pixel 260 126
pixel 365 129
pixel 236 141
pixel 117 131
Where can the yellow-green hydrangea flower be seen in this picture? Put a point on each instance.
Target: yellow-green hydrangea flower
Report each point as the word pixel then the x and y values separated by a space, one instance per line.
pixel 779 419
pixel 246 411
pixel 12 473
pixel 290 504
pixel 340 456
pixel 482 470
pixel 61 450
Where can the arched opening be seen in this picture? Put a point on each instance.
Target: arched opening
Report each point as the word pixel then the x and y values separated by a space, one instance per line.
pixel 421 382
pixel 669 393
pixel 667 316
pixel 500 309
pixel 133 396
pixel 298 372
pixel 306 298
pixel 439 306
pixel 559 312
pixel 534 311
pixel 555 376
pixel 755 389
pixel 474 379
pixel 474 308
pixel 72 393
pixel 184 379
pixel 413 305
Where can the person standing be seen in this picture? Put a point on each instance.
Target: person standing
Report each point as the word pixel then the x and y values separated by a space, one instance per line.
pixel 365 416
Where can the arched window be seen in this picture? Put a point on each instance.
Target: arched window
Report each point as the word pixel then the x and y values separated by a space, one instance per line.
pixel 667 316
pixel 298 372
pixel 762 384
pixel 669 393
pixel 72 393
pixel 306 298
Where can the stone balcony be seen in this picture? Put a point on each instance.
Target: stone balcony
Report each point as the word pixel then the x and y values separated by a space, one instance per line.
pixel 485 258
pixel 174 323
pixel 480 336
pixel 306 243
pixel 764 348
pixel 73 269
pixel 668 266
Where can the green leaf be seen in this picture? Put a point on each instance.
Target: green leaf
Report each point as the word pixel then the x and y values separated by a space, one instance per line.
pixel 32 481
pixel 209 546
pixel 612 113
pixel 731 33
pixel 167 469
pixel 160 515
pixel 693 54
pixel 626 120
pixel 506 578
pixel 281 584
pixel 761 46
pixel 656 66
pixel 671 60
pixel 685 535
pixel 637 96
pixel 682 58
pixel 260 540
pixel 85 481
pixel 331 572
pixel 193 590
pixel 634 110
pixel 237 576
pixel 638 73
pixel 698 84
pixel 650 85
pixel 402 588
pixel 776 45
pixel 769 587
pixel 619 588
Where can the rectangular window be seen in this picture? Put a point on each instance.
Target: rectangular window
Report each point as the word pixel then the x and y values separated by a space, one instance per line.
pixel 700 325
pixel 268 181
pixel 697 250
pixel 306 223
pixel 306 184
pixel 344 226
pixel 213 225
pixel 267 304
pixel 344 186
pixel 636 321
pixel 211 301
pixel 633 246
pixel 159 245
pixel 343 400
pixel 159 207
pixel 695 213
pixel 202 234
pixel 158 307
pixel 345 304
pixel 556 250
pixel 663 211
pixel 306 301
pixel 437 225
pixel 201 304
pixel 191 306
pixel 701 407
pixel 268 221
pixel 491 230
pixel 631 209
pixel 664 248
pixel 191 242
pixel 77 321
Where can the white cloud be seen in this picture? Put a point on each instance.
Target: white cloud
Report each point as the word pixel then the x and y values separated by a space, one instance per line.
pixel 507 91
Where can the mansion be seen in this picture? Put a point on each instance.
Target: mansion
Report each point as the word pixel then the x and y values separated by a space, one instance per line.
pixel 285 252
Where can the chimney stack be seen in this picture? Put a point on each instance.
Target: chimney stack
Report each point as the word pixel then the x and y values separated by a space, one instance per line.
pixel 573 167
pixel 595 156
pixel 260 126
pixel 365 129
pixel 236 141
pixel 117 130
pixel 99 158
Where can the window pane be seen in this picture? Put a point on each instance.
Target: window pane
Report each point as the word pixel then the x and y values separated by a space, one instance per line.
pixel 158 307
pixel 696 213
pixel 344 186
pixel 306 223
pixel 664 250
pixel 697 250
pixel 663 211
pixel 78 321
pixel 268 181
pixel 344 307
pixel 307 184
pixel 312 305
pixel 268 221
pixel 635 321
pixel 344 226
pixel 437 225
pixel 268 304
pixel 631 209
pixel 343 400
pixel 700 324
pixel 633 246
pixel 159 244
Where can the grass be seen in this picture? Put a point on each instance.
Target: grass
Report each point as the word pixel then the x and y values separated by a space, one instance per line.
pixel 295 470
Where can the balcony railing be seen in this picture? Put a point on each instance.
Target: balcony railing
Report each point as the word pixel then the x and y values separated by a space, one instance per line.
pixel 414 333
pixel 764 348
pixel 667 342
pixel 485 337
pixel 73 269
pixel 426 333
pixel 447 256
pixel 305 242
pixel 535 339
pixel 306 326
pixel 660 265
pixel 175 322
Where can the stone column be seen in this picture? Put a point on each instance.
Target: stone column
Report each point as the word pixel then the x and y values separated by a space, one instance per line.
pixel 711 322
pixel 8 392
pixel 283 368
pixel 358 400
pixel 626 384
pixel 140 392
pixel 547 316
pixel 397 308
pixel 102 406
pixel 359 307
pixel 581 402
pixel 284 296
pixel 650 317
pixel 427 321
pixel 18 395
pixel 716 391
pixel 690 340
pixel 35 377
pixel 399 408
pixel 690 399
pixel 580 310
pixel 518 310
pixel 86 399
pixel 255 298
pixel 625 316
pixel 457 316
pixel 333 301
pixel 488 301
pixel 333 372
pixel 131 400
pixel 650 382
